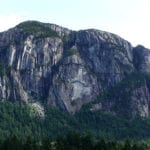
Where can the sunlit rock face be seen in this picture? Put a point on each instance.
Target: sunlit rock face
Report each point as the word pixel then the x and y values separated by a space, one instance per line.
pixel 66 69
pixel 73 84
pixel 108 56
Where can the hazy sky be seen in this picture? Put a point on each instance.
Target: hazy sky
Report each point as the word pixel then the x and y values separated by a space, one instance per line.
pixel 128 18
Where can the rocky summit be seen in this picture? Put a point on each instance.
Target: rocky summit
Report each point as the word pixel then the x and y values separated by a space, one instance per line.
pixel 46 63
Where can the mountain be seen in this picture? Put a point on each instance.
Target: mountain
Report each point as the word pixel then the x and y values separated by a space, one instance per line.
pixel 46 63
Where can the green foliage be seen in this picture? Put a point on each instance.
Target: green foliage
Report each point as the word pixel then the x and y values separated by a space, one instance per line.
pixel 65 38
pixel 121 93
pixel 16 121
pixel 108 126
pixel 71 51
pixel 73 103
pixel 4 70
pixel 57 122
pixel 37 29
pixel 72 141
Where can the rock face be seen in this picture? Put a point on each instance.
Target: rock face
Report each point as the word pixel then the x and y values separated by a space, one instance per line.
pixel 48 63
pixel 142 59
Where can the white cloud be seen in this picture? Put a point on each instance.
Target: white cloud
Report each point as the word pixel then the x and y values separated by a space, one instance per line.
pixel 9 21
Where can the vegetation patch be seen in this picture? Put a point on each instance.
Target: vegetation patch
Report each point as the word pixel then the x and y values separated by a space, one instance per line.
pixel 16 120
pixel 72 141
pixel 65 38
pixel 37 29
pixel 73 103
pixel 71 51
pixel 121 93
pixel 4 70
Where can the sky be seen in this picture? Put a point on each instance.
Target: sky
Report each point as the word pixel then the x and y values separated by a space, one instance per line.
pixel 129 19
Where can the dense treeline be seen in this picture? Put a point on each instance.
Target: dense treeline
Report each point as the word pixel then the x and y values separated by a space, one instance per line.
pixel 72 141
pixel 17 120
pixel 109 126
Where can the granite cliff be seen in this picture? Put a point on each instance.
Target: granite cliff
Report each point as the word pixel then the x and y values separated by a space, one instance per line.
pixel 50 64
